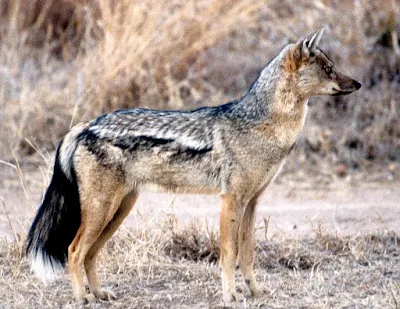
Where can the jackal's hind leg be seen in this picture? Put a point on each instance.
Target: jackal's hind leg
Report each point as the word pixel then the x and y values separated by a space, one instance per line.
pixel 101 191
pixel 229 226
pixel 90 259
pixel 86 236
pixel 246 248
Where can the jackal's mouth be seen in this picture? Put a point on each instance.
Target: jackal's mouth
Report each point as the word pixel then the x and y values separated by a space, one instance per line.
pixel 356 85
pixel 342 92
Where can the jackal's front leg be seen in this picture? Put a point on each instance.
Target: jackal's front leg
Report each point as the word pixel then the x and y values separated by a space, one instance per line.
pixel 229 227
pixel 246 248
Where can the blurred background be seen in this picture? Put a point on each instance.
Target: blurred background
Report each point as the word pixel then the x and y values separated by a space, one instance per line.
pixel 65 61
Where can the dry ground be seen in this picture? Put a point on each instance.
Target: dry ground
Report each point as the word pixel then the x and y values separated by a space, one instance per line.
pixel 166 267
pixel 325 246
pixel 69 61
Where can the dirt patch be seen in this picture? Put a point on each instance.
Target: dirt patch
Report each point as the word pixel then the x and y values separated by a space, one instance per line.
pixel 293 207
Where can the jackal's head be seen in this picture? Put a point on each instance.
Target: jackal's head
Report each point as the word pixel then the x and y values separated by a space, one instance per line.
pixel 314 72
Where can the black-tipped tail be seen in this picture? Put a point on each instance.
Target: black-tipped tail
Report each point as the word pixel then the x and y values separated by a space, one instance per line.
pixel 57 220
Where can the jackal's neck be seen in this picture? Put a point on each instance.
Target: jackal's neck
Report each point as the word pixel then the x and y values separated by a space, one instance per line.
pixel 274 93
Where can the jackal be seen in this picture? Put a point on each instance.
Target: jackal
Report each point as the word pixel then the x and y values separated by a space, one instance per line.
pixel 234 150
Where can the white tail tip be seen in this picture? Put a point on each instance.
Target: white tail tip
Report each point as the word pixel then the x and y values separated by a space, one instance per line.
pixel 44 269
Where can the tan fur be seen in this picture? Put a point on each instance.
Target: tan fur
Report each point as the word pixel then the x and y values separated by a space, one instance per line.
pixel 285 127
pixel 90 259
pixel 104 204
pixel 293 60
pixel 229 227
pixel 246 246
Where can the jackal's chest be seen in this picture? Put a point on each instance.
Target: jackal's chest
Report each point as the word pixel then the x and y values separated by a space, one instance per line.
pixel 282 130
pixel 267 152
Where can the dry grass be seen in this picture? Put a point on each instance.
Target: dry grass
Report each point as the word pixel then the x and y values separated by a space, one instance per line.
pixel 100 56
pixel 160 266
pixel 143 58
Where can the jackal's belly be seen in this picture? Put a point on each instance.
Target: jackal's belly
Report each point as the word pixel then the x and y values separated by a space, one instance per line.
pixel 188 175
pixel 182 181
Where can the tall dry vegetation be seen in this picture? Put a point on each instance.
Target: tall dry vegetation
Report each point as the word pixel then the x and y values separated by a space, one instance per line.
pixel 142 55
pixel 69 61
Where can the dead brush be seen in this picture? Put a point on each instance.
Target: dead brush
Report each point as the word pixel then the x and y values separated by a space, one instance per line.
pixel 325 248
pixel 334 244
pixel 360 247
pixel 292 254
pixel 295 256
pixel 193 243
pixel 162 243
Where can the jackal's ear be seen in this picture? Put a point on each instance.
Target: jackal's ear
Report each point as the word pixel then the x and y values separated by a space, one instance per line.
pixel 308 44
pixel 302 50
pixel 313 42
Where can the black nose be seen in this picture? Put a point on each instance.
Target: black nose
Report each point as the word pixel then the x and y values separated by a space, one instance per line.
pixel 357 84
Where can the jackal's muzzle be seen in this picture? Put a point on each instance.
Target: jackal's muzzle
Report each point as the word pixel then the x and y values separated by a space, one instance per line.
pixel 346 85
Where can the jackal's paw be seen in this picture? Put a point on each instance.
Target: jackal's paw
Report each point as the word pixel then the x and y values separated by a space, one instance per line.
pixel 105 295
pixel 233 297
pixel 88 299
pixel 259 292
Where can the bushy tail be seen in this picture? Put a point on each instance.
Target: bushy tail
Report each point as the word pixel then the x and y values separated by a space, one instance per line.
pixel 58 218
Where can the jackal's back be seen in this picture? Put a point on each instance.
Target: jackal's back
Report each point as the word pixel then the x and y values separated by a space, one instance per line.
pixel 173 149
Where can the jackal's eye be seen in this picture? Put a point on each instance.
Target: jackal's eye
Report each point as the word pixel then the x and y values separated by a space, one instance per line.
pixel 328 70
